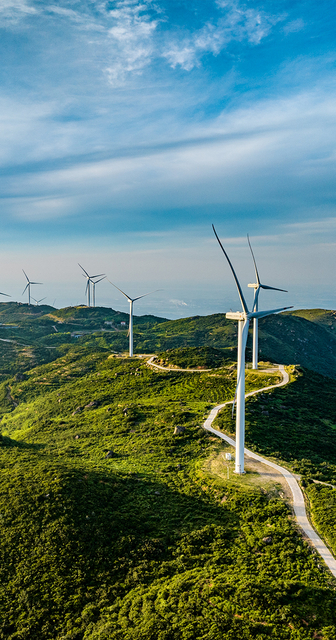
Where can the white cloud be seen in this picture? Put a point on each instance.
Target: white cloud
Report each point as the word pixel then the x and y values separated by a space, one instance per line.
pixel 273 153
pixel 238 23
pixel 131 40
pixel 178 303
pixel 13 10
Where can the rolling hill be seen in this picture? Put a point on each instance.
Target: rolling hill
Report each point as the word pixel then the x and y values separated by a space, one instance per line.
pixel 112 527
pixel 33 335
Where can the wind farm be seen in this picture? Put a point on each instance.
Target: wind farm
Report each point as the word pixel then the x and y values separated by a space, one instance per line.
pixel 167 459
pixel 132 416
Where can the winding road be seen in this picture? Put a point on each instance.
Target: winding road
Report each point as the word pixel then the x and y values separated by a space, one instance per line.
pixel 298 498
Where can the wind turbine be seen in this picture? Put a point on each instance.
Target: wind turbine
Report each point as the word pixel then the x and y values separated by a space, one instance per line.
pixel 38 301
pixel 257 286
pixel 243 327
pixel 88 280
pixel 131 301
pixel 28 285
pixel 94 288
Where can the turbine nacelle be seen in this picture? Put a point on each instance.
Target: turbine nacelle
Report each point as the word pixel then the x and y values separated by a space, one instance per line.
pixel 241 315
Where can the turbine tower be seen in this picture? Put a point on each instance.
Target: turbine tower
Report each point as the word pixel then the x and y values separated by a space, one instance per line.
pixel 94 282
pixel 89 280
pixel 131 301
pixel 257 286
pixel 28 285
pixel 243 318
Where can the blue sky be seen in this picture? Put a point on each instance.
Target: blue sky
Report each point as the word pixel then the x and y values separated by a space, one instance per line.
pixel 128 127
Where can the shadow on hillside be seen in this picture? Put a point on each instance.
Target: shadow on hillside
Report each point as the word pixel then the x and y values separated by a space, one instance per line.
pixel 7 442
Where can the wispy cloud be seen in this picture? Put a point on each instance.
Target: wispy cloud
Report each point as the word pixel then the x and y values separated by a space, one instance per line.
pixel 237 24
pixel 178 303
pixel 13 10
pixel 131 40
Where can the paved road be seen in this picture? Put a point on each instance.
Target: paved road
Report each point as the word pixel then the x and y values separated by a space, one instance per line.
pixel 158 366
pixel 298 499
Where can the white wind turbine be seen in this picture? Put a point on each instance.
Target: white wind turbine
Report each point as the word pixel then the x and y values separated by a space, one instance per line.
pixel 243 327
pixel 38 301
pixel 28 285
pixel 94 282
pixel 89 279
pixel 257 286
pixel 131 301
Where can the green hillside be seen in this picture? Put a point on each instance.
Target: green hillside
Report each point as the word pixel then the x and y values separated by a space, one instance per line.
pixel 111 526
pixel 33 335
pixel 322 317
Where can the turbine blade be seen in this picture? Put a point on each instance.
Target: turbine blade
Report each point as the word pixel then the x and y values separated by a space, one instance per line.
pixel 98 275
pixel 25 275
pixel 123 292
pixel 241 296
pixel 83 269
pixel 5 294
pixel 254 261
pixel 146 294
pixel 36 283
pixel 265 286
pixel 98 280
pixel 263 314
pixel 25 289
pixel 87 285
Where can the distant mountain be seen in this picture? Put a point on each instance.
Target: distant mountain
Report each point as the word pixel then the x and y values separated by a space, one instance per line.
pixel 30 335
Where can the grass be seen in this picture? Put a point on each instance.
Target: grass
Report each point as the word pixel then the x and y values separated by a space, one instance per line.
pixel 149 543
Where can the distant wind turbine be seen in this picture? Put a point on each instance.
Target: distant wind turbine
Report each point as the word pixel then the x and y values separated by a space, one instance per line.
pixel 38 301
pixel 28 285
pixel 257 286
pixel 243 327
pixel 131 301
pixel 89 280
pixel 94 282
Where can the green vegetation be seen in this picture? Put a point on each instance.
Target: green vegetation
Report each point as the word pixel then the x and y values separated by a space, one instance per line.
pixel 113 528
pixel 323 510
pixel 117 518
pixel 292 339
pixel 295 424
pixel 35 335
pixel 195 357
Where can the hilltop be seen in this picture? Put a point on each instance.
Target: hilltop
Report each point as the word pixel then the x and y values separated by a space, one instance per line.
pixel 33 335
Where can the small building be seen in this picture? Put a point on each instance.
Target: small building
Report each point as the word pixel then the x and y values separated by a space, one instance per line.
pixel 228 456
pixel 123 324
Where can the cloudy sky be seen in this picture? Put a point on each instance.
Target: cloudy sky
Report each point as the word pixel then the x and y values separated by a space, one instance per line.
pixel 128 127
